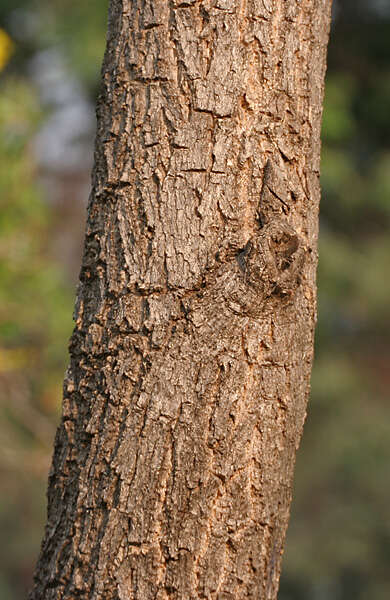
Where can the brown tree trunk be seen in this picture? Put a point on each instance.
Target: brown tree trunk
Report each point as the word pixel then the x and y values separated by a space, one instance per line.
pixel 190 361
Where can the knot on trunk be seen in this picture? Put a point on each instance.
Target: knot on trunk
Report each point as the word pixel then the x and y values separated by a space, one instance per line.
pixel 272 261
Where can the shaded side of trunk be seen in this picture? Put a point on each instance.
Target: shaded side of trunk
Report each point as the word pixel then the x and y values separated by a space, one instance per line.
pixel 186 393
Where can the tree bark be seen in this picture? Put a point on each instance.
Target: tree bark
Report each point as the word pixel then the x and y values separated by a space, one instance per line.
pixel 186 393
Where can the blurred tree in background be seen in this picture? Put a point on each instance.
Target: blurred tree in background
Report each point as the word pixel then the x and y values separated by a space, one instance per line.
pixel 338 545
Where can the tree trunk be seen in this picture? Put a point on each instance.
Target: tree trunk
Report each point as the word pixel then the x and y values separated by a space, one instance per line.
pixel 190 361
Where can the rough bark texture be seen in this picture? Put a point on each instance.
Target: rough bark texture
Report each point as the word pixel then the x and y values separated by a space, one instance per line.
pixel 186 393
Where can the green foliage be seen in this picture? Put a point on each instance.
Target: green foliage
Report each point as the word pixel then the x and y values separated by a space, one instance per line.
pixel 86 32
pixel 338 543
pixel 339 124
pixel 35 320
pixel 32 290
pixel 81 28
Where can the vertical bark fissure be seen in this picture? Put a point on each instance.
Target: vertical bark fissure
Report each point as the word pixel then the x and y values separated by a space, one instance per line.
pixel 186 393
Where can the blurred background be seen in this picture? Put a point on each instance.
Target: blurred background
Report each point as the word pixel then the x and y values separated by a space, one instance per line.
pixel 338 545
